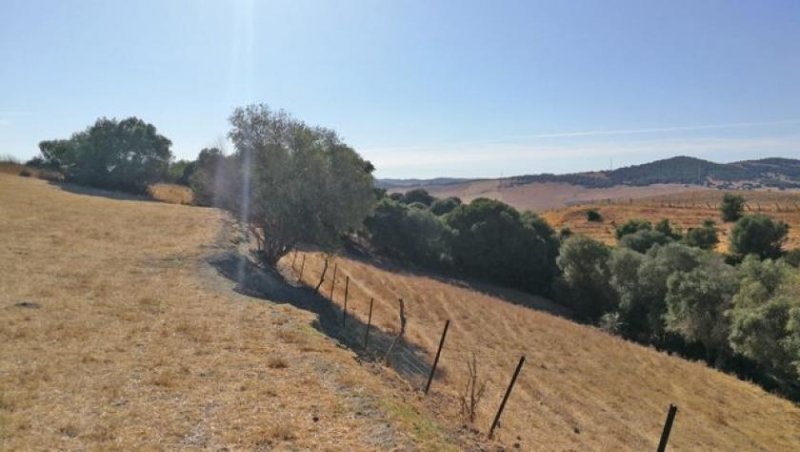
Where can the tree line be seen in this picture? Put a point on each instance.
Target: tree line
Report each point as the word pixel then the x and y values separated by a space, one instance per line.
pixel 291 183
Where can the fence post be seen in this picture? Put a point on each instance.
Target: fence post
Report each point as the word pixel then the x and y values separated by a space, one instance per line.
pixel 344 311
pixel 505 397
pixel 436 359
pixel 333 284
pixel 662 445
pixel 369 323
pixel 302 267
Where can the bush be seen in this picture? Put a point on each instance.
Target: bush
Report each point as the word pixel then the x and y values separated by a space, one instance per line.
pixel 760 235
pixel 444 206
pixel 643 240
pixel 119 155
pixel 25 172
pixel 792 257
pixel 633 226
pixel 586 278
pixel 664 227
pixel 409 234
pixel 493 241
pixel 732 207
pixel 593 216
pixel 418 195
pixel 704 237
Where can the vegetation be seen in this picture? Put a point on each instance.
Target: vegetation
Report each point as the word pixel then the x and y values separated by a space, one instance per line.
pixel 124 155
pixel 704 237
pixel 732 207
pixel 760 235
pixel 594 216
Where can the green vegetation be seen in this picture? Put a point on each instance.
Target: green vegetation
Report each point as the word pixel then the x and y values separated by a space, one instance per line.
pixel 124 155
pixel 594 216
pixel 705 237
pixel 760 235
pixel 732 207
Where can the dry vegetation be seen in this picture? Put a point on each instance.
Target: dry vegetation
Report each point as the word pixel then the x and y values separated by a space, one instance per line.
pixel 117 334
pixel 580 389
pixel 171 193
pixel 682 209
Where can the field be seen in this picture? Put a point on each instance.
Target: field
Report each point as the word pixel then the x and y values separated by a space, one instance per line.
pixel 118 333
pixel 547 195
pixel 686 210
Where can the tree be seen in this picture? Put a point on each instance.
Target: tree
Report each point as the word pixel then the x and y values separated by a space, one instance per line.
pixel 126 155
pixel 696 304
pixel 444 206
pixel 594 216
pixel 493 241
pixel 212 178
pixel 179 172
pixel 418 195
pixel 704 237
pixel 586 278
pixel 664 227
pixel 407 233
pixel 760 235
pixel 298 183
pixel 632 226
pixel 643 240
pixel 732 207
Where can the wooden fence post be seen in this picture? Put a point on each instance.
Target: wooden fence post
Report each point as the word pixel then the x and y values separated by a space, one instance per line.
pixel 505 397
pixel 344 311
pixel 662 445
pixel 369 323
pixel 333 284
pixel 436 359
pixel 302 267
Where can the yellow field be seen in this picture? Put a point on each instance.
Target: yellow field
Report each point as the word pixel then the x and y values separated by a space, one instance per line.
pixel 682 209
pixel 580 389
pixel 117 335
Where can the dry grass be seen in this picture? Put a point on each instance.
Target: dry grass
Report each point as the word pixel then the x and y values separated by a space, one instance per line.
pixel 171 193
pixel 128 340
pixel 580 389
pixel 685 210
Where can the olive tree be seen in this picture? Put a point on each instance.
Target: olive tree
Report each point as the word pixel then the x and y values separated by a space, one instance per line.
pixel 760 235
pixel 298 183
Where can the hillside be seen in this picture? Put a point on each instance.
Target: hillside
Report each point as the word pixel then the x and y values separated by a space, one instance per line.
pixel 122 329
pixel 673 175
pixel 580 389
pixel 118 334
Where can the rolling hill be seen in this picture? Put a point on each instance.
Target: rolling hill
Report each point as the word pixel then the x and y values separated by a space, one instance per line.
pixel 673 175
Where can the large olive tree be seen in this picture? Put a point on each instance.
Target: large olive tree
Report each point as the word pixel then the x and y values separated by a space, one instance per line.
pixel 298 183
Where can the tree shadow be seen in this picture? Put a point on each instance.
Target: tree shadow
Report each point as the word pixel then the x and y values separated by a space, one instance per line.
pixel 100 192
pixel 509 295
pixel 409 360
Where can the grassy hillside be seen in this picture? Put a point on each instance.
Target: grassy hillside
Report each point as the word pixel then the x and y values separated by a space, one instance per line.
pixel 686 209
pixel 117 334
pixel 581 389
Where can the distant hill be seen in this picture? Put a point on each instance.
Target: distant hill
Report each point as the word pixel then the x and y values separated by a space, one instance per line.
pixel 769 172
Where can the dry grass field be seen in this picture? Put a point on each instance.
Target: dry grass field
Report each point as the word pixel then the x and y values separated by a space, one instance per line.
pixel 580 389
pixel 686 210
pixel 117 335
pixel 547 195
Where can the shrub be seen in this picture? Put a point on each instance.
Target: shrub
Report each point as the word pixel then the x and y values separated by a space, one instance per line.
pixel 792 257
pixel 643 240
pixel 493 241
pixel 418 195
pixel 444 206
pixel 25 172
pixel 760 235
pixel 704 237
pixel 732 207
pixel 593 216
pixel 664 227
pixel 586 278
pixel 120 155
pixel 633 226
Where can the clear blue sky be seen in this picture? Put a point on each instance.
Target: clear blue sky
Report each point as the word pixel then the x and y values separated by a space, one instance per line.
pixel 421 88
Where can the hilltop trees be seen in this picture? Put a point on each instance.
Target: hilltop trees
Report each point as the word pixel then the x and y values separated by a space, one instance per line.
pixel 298 183
pixel 125 155
pixel 732 207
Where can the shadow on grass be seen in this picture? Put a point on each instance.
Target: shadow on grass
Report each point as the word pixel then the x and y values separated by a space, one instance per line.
pixel 101 192
pixel 409 360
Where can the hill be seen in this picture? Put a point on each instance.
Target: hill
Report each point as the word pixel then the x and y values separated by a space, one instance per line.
pixel 122 329
pixel 673 175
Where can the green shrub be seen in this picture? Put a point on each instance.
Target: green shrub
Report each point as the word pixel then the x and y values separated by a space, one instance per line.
pixel 594 216
pixel 760 235
pixel 732 207
pixel 704 237
pixel 633 226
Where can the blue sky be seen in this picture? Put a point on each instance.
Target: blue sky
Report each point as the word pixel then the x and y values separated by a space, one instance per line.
pixel 421 88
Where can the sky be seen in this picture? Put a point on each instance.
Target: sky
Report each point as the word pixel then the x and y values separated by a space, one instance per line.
pixel 421 88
